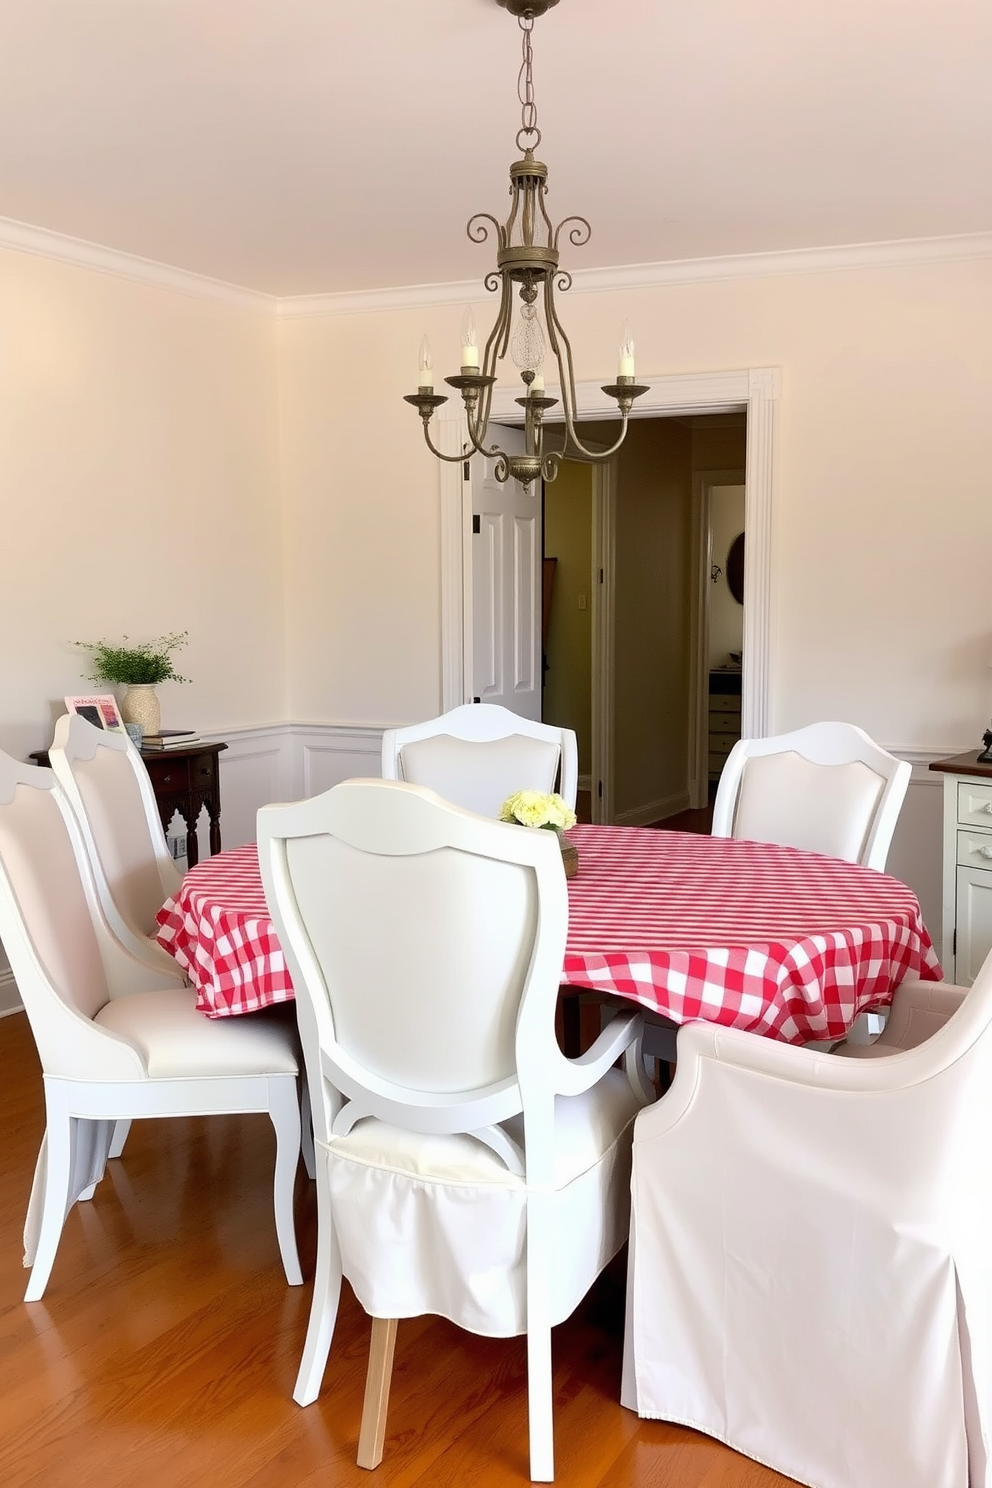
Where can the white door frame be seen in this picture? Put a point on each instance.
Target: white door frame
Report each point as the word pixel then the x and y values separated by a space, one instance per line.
pixel 755 389
pixel 699 625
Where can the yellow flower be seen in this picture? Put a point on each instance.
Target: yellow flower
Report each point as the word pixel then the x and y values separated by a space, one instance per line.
pixel 532 808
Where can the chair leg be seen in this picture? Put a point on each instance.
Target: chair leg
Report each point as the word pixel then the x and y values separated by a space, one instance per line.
pixel 121 1129
pixel 326 1291
pixel 540 1399
pixel 380 1370
pixel 306 1125
pixel 284 1113
pixel 46 1212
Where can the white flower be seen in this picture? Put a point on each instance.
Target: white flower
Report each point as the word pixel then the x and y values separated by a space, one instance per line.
pixel 536 809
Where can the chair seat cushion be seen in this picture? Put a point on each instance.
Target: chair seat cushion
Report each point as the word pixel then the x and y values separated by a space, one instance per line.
pixel 178 1042
pixel 437 1224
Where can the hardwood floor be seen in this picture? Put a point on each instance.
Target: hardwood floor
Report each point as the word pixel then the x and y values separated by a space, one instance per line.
pixel 700 820
pixel 165 1350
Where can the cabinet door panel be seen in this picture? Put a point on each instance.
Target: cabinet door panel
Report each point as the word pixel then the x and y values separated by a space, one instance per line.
pixel 974 923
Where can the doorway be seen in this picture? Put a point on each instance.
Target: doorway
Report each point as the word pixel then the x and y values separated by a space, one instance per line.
pixel 754 390
pixel 653 599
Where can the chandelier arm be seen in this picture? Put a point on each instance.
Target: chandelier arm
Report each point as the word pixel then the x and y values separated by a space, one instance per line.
pixel 578 236
pixel 448 459
pixel 500 334
pixel 478 232
pixel 476 435
pixel 597 456
pixel 569 398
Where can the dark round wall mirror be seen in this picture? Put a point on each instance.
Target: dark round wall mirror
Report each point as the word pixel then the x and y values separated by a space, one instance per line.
pixel 735 568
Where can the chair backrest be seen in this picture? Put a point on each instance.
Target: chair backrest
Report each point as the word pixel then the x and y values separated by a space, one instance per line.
pixel 827 788
pixel 105 779
pixel 425 946
pixel 65 960
pixel 480 753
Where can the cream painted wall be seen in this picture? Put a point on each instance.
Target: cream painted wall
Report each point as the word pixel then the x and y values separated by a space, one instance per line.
pixel 139 468
pixel 884 446
pixel 360 494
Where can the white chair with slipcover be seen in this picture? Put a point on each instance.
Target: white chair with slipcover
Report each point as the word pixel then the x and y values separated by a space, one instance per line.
pixel 827 788
pixel 108 786
pixel 464 1166
pixel 809 1274
pixel 480 753
pixel 117 1037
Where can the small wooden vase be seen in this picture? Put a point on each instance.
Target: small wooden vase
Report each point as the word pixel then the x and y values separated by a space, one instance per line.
pixel 569 857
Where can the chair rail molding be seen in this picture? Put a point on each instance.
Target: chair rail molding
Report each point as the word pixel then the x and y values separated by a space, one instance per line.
pixel 756 390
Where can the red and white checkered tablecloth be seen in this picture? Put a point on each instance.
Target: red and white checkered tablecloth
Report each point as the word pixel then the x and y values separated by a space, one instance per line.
pixel 780 942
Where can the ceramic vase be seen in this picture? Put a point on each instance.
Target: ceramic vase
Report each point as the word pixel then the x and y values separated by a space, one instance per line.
pixel 140 705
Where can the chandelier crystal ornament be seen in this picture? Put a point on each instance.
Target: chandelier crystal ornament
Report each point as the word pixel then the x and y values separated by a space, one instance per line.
pixel 526 265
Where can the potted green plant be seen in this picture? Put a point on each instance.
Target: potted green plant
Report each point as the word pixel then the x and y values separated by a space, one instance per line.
pixel 139 668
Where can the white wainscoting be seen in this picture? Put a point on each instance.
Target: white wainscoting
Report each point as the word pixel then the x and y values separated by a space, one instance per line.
pixel 287 762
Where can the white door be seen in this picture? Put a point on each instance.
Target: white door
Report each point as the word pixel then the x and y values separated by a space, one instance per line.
pixel 506 586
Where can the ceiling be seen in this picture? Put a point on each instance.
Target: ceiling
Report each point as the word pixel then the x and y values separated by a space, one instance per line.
pixel 312 146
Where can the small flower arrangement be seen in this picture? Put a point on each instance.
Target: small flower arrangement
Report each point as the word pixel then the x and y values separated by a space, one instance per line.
pixel 531 808
pixel 150 662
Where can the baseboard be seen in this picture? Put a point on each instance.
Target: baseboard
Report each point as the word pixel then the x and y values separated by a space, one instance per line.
pixel 643 816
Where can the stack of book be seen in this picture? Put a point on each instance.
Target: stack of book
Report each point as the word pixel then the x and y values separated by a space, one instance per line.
pixel 170 739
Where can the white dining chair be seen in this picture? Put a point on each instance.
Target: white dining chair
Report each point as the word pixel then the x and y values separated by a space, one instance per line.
pixel 827 788
pixel 108 787
pixel 809 1272
pixel 464 1166
pixel 480 753
pixel 118 1038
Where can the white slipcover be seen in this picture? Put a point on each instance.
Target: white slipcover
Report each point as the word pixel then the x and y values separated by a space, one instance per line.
pixel 464 1166
pixel 811 1252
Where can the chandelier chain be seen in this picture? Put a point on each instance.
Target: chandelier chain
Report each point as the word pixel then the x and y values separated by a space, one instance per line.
pixel 529 136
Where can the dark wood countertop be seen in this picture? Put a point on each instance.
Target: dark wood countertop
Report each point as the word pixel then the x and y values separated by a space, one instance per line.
pixel 964 764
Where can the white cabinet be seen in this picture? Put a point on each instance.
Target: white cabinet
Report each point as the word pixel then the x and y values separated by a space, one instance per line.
pixel 967 866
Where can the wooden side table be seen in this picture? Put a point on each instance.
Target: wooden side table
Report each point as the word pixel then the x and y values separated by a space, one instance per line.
pixel 967 865
pixel 185 780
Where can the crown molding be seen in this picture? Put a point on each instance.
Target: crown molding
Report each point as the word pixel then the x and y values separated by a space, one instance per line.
pixel 23 238
pixel 899 254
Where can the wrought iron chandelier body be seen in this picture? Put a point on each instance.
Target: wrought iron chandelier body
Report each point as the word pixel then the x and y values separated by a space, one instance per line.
pixel 527 266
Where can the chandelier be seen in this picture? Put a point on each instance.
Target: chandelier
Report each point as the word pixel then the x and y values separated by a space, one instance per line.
pixel 527 258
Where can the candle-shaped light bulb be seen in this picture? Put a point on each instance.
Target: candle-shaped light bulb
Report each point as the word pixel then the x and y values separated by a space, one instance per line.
pixel 470 343
pixel 625 352
pixel 425 373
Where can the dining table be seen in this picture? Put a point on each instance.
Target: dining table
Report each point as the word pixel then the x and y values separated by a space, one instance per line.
pixel 788 944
